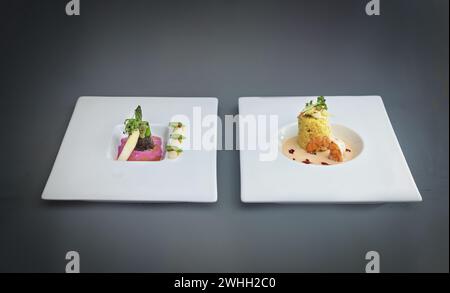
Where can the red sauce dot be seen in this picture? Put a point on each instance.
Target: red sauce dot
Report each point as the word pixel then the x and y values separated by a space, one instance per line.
pixel 291 151
pixel 348 150
pixel 307 162
pixel 325 164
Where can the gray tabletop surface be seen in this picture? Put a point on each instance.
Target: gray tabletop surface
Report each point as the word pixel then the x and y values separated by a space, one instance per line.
pixel 225 49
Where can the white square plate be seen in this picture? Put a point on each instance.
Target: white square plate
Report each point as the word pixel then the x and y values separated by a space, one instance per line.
pixel 378 174
pixel 86 169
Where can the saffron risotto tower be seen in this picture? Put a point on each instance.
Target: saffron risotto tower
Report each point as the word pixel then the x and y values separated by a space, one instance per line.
pixel 314 131
pixel 314 127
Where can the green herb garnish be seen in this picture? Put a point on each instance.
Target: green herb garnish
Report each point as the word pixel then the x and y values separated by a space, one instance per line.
pixel 170 148
pixel 178 137
pixel 175 124
pixel 319 105
pixel 137 123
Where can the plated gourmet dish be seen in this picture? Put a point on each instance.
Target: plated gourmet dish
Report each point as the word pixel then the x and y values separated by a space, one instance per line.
pixel 315 142
pixel 141 145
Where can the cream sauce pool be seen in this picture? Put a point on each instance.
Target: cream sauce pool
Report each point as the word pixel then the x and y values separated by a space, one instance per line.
pixel 294 152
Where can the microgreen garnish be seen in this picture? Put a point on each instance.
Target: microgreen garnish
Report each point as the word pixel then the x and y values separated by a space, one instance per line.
pixel 170 148
pixel 175 124
pixel 136 123
pixel 319 105
pixel 178 137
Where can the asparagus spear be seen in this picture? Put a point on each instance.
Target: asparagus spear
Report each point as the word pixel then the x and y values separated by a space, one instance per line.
pixel 135 128
pixel 129 146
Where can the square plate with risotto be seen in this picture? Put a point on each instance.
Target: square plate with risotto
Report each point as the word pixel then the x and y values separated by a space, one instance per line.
pixel 137 149
pixel 321 150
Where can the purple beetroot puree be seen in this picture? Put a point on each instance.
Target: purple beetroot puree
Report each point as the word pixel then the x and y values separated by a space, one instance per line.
pixel 154 154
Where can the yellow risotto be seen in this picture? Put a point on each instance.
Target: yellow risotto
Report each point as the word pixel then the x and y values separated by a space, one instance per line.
pixel 310 127
pixel 313 124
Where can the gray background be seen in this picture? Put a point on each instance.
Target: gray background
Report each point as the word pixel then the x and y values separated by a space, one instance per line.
pixel 225 49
